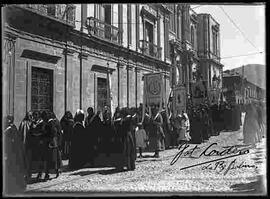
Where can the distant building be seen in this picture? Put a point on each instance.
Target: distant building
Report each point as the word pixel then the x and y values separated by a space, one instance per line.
pixel 239 90
pixel 209 55
pixel 255 73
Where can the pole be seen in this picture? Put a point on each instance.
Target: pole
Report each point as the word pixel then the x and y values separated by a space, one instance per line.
pixel 242 85
pixel 81 64
pixel 108 86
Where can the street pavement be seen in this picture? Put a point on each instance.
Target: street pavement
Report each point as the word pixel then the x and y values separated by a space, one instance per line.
pixel 243 174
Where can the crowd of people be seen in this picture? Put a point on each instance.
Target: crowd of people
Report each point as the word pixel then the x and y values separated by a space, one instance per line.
pixel 42 138
pixel 254 127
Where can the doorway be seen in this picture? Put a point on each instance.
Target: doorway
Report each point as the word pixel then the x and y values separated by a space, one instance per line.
pixel 42 89
pixel 102 86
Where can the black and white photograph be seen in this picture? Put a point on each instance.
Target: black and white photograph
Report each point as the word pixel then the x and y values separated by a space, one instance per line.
pixel 134 99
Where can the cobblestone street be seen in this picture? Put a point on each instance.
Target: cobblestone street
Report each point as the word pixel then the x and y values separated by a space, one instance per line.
pixel 157 175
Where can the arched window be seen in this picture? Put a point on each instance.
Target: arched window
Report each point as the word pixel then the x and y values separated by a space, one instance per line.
pixel 192 36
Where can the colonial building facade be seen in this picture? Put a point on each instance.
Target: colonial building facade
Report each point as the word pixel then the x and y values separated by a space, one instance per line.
pixel 209 55
pixel 64 57
pixel 239 90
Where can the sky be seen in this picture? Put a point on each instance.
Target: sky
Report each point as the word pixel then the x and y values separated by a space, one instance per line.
pixel 250 18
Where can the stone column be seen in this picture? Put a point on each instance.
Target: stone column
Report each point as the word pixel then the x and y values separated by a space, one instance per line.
pixel 9 74
pixel 84 78
pixel 68 52
pixel 132 92
pixel 121 84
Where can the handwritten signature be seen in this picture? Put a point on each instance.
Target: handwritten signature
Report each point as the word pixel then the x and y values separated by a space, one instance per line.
pixel 221 166
pixel 224 153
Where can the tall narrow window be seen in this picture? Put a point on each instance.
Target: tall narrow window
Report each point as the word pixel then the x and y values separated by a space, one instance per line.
pixel 149 37
pixel 179 22
pixel 166 38
pixel 215 42
pixel 120 21
pixel 192 36
pixel 84 14
pixel 129 24
pixel 108 21
pixel 172 18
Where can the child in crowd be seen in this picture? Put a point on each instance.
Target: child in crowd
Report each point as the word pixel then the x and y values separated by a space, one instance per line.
pixel 141 138
pixel 184 136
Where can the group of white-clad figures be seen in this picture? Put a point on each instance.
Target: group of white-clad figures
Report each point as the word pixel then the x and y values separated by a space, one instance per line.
pixel 254 128
pixel 42 138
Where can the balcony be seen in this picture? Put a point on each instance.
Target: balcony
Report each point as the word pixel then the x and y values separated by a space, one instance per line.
pixel 64 13
pixel 103 30
pixel 150 49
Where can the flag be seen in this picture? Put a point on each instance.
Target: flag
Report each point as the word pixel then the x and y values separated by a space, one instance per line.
pixel 111 96
pixel 165 102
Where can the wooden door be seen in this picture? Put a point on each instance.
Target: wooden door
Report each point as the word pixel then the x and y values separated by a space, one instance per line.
pixel 42 89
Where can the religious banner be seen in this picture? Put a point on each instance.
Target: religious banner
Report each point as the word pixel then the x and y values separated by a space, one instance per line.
pixel 179 99
pixel 154 88
pixel 199 92
pixel 214 96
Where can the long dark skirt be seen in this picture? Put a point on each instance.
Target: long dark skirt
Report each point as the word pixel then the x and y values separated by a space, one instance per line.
pixel 13 164
pixel 54 159
pixel 77 153
pixel 130 151
pixel 196 131
pixel 174 138
pixel 167 138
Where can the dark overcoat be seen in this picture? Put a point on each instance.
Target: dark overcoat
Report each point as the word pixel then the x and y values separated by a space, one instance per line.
pixel 13 161
pixel 78 147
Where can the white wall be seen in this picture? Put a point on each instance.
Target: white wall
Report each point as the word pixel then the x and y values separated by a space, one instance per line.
pixel 125 43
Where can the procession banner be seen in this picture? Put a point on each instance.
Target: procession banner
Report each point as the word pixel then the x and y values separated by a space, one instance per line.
pixel 154 88
pixel 198 92
pixel 179 99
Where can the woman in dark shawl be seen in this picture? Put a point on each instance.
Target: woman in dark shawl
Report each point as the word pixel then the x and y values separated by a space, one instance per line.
pixel 24 132
pixel 54 155
pixel 196 127
pixel 13 158
pixel 78 148
pixel 67 123
pixel 41 131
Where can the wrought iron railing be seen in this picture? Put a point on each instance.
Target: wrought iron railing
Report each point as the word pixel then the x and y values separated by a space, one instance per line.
pixel 103 30
pixel 150 49
pixel 63 12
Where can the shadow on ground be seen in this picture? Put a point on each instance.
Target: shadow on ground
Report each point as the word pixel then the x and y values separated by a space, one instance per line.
pixel 255 187
pixel 101 171
pixel 34 180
